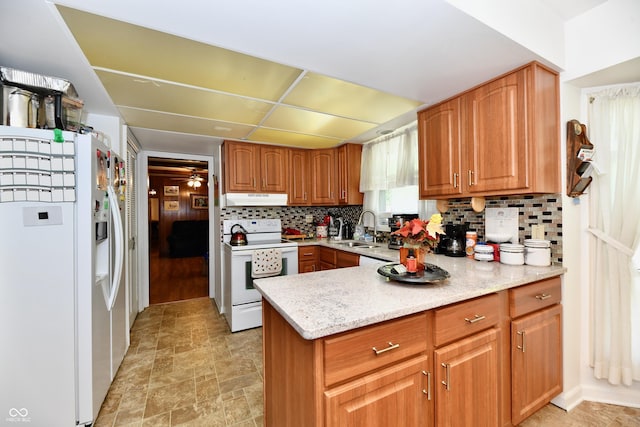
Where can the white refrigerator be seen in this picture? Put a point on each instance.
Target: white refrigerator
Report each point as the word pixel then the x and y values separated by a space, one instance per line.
pixel 63 316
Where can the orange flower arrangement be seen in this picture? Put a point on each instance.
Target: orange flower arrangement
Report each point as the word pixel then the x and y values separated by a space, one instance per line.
pixel 418 232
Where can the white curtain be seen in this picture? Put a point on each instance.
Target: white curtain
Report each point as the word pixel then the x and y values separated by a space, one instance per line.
pixel 388 162
pixel 614 129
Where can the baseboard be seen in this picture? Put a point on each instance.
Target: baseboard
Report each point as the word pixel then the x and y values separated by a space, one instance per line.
pixel 620 395
pixel 569 399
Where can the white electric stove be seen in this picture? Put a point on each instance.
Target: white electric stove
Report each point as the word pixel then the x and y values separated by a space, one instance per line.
pixel 242 302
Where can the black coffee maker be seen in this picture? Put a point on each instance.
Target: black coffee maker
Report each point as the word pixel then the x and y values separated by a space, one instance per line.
pixel 453 243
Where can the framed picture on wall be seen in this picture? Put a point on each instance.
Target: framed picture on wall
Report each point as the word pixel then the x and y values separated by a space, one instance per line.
pixel 171 205
pixel 171 190
pixel 199 201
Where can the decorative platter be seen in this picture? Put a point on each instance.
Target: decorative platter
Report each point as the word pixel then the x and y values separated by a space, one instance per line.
pixel 431 274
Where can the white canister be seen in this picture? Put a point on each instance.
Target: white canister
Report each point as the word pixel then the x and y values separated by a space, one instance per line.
pixel 512 254
pixel 483 252
pixel 322 231
pixel 537 252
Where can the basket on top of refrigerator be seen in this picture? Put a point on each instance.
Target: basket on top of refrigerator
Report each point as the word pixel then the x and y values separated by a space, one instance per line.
pixel 38 101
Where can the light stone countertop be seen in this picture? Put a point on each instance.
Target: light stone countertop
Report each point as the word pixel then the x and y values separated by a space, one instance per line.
pixel 328 302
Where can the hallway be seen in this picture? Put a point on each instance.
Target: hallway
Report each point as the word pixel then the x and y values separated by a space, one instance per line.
pixel 176 279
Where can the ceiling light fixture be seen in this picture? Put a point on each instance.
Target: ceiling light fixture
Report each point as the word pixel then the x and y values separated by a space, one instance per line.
pixel 194 181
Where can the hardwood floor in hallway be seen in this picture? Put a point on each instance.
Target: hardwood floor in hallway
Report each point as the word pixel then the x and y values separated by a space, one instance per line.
pixel 185 368
pixel 176 279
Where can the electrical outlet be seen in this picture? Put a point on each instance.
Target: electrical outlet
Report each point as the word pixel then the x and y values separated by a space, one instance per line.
pixel 308 219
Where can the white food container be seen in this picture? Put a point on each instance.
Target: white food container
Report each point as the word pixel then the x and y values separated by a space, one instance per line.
pixel 512 254
pixel 483 253
pixel 537 252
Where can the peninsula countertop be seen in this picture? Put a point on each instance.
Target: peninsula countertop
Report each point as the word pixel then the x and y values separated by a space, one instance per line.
pixel 332 301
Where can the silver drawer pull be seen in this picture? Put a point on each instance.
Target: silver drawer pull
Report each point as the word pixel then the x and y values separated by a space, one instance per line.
pixel 475 319
pixel 392 346
pixel 543 297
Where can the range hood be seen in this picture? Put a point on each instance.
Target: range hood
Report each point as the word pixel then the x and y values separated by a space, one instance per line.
pixel 254 199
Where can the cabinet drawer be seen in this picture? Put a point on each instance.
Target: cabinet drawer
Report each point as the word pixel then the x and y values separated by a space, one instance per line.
pixel 357 352
pixel 306 253
pixel 529 298
pixel 460 320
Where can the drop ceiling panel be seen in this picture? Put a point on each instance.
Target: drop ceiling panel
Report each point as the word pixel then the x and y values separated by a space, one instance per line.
pixel 149 94
pixel 176 123
pixel 340 98
pixel 117 45
pixel 314 123
pixel 274 136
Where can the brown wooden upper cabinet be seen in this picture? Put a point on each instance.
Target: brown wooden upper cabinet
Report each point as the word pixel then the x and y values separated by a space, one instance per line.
pixel 299 177
pixel 255 168
pixel 349 156
pixel 500 138
pixel 335 175
pixel 324 182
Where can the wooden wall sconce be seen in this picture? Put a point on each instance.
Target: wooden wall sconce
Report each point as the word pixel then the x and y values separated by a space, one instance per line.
pixel 579 155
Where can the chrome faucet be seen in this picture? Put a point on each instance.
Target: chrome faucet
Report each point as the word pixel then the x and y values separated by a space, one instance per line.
pixel 375 224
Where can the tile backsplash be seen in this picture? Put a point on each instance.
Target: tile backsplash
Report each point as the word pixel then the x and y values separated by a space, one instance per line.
pixel 294 216
pixel 536 209
pixel 543 209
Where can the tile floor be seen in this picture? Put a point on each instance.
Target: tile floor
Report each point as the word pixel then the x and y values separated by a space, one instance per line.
pixel 185 368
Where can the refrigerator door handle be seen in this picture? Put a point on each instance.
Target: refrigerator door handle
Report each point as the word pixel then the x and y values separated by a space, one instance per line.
pixel 119 248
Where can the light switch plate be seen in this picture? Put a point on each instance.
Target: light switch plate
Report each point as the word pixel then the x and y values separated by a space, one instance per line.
pixel 537 231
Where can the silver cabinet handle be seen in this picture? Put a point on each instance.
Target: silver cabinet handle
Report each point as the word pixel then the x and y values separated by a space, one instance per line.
pixel 470 177
pixel 447 375
pixel 543 296
pixel 475 319
pixel 455 180
pixel 392 346
pixel 428 390
pixel 524 341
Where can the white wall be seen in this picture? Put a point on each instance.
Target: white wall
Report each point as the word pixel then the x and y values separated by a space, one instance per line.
pixel 531 24
pixel 113 127
pixel 572 285
pixel 599 39
pixel 605 36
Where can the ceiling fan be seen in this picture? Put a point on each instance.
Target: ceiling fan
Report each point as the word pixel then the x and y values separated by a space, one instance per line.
pixel 193 180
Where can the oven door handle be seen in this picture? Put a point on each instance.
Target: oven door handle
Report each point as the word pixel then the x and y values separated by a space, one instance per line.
pixel 249 251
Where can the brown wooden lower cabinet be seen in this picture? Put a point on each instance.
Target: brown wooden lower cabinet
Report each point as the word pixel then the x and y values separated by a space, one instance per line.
pixel 536 347
pixel 324 258
pixel 442 367
pixel 467 380
pixel 395 396
pixel 307 259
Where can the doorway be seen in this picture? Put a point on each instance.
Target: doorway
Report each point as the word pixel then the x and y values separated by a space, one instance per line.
pixel 178 220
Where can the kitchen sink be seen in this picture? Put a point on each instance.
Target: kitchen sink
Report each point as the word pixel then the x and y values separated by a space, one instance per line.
pixel 362 245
